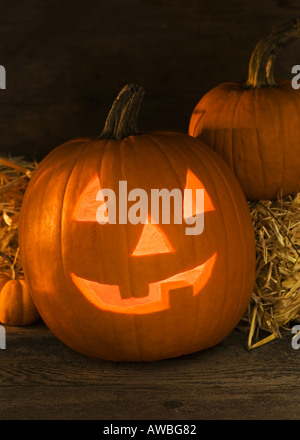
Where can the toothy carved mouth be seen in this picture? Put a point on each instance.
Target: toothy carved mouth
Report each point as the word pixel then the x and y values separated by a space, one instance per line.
pixel 108 297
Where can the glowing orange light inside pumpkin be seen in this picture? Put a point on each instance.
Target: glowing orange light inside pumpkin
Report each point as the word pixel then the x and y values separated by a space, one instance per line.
pixel 87 205
pixel 88 202
pixel 108 297
pixel 152 241
pixel 161 294
pixel 193 183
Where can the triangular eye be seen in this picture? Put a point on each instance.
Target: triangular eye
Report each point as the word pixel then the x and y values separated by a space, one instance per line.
pixel 152 241
pixel 88 203
pixel 194 205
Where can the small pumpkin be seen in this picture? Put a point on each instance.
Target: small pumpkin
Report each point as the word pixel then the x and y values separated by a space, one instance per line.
pixel 145 290
pixel 16 305
pixel 254 125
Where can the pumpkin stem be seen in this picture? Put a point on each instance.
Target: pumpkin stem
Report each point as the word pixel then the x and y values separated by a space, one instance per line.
pixel 122 118
pixel 261 66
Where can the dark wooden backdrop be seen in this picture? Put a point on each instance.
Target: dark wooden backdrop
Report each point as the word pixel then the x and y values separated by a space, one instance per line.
pixel 66 61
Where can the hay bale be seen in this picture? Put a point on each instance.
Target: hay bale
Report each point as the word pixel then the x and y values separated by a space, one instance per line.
pixel 275 299
pixel 15 174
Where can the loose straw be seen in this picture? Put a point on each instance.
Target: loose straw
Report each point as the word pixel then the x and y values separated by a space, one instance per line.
pixel 275 301
pixel 15 174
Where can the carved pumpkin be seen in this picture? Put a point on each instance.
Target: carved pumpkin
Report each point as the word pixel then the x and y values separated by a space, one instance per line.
pixel 16 305
pixel 254 126
pixel 142 290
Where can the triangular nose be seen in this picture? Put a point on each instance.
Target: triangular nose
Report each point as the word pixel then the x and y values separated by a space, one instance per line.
pixel 152 241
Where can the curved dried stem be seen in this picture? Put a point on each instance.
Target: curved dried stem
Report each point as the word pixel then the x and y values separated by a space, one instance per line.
pixel 261 66
pixel 122 119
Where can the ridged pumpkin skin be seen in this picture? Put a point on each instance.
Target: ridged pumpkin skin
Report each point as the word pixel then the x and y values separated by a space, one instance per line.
pixel 257 132
pixel 54 246
pixel 16 305
pixel 254 126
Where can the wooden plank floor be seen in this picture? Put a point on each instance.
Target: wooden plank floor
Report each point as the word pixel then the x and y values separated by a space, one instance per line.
pixel 40 378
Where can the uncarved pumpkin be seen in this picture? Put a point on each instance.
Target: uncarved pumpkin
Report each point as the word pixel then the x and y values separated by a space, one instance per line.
pixel 16 305
pixel 145 291
pixel 254 125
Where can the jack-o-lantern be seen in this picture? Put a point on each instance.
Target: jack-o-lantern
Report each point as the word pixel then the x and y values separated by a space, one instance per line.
pixel 119 282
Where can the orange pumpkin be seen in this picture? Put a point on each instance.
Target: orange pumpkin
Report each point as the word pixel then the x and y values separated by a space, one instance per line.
pixel 16 305
pixel 254 125
pixel 143 290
